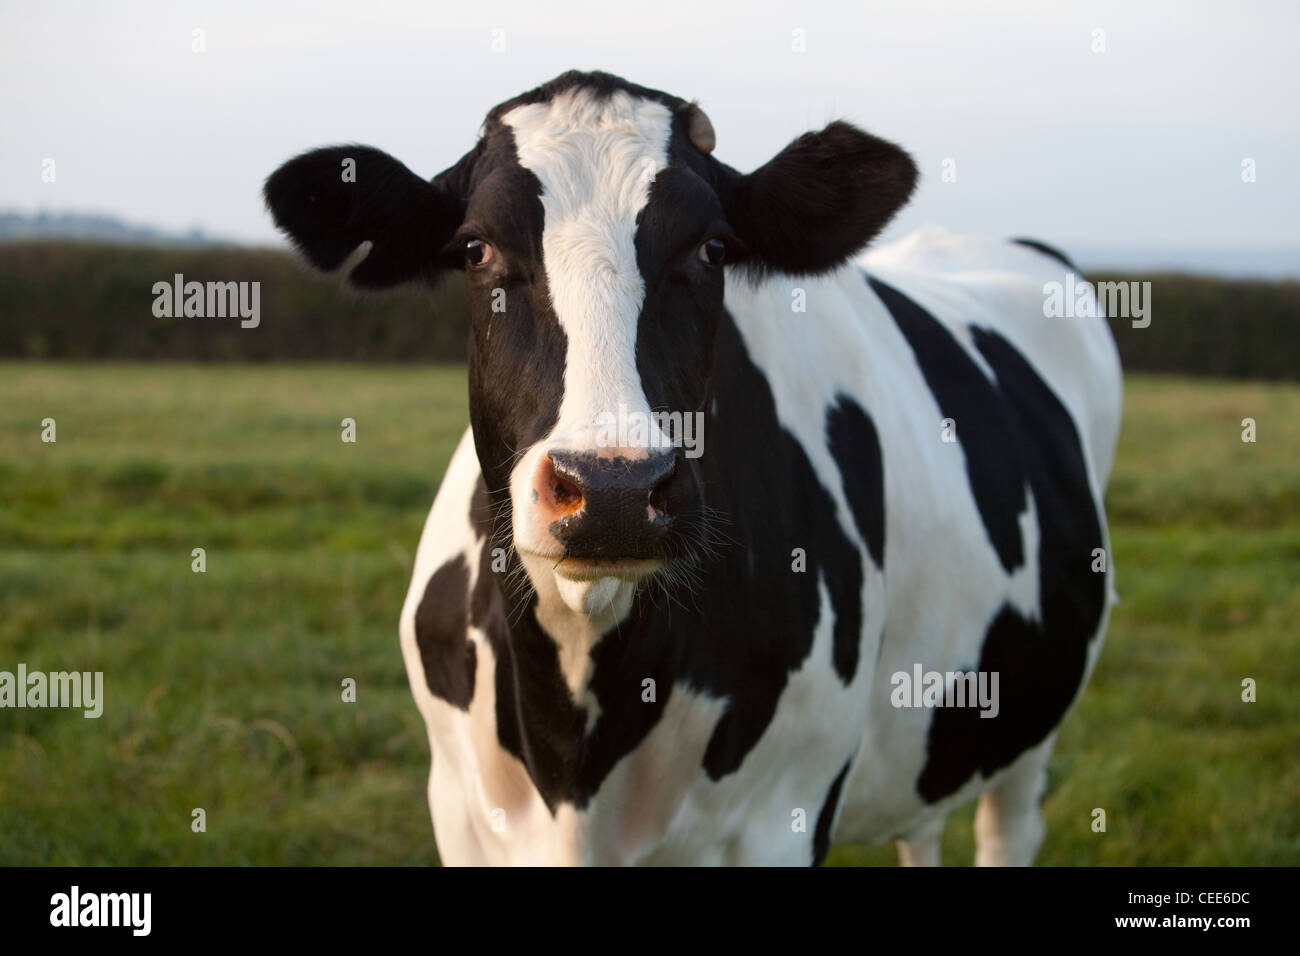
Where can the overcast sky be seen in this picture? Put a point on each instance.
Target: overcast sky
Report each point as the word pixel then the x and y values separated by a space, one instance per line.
pixel 1140 144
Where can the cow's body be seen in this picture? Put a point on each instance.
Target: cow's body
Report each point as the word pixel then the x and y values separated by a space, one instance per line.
pixel 629 648
pixel 843 396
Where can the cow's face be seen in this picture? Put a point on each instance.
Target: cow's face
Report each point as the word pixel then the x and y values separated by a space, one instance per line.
pixel 596 233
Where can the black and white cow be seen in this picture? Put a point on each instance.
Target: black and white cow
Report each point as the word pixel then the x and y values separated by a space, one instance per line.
pixel 629 652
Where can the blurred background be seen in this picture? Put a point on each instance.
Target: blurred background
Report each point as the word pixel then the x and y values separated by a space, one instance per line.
pixel 1155 143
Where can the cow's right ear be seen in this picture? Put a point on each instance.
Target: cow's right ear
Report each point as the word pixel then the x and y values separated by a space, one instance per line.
pixel 329 201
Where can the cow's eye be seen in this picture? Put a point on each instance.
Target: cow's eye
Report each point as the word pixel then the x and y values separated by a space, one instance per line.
pixel 478 252
pixel 714 252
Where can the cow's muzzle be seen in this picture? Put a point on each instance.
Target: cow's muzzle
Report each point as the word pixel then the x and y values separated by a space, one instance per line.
pixel 608 509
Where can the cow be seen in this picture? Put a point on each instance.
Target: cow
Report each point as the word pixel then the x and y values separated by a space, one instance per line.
pixel 862 591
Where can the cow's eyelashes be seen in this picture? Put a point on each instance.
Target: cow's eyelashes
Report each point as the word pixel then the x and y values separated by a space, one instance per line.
pixel 478 253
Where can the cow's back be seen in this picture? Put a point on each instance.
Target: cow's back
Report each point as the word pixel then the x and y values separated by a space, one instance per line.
pixel 999 284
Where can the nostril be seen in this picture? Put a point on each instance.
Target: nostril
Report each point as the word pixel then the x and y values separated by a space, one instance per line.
pixel 562 491
pixel 659 501
pixel 566 493
pixel 660 490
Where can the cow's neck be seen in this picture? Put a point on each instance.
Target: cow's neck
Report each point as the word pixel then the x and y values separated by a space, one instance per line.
pixel 573 689
pixel 575 693
pixel 576 634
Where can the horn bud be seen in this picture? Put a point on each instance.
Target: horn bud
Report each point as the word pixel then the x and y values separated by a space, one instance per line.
pixel 700 130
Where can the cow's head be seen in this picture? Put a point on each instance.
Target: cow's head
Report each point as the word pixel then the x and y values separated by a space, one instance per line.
pixel 596 232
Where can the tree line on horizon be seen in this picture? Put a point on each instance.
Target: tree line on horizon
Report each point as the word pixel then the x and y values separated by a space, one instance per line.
pixel 65 300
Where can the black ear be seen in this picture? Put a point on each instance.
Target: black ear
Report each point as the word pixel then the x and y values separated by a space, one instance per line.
pixel 331 200
pixel 819 200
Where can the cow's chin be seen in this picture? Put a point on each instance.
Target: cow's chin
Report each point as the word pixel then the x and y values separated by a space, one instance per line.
pixel 595 588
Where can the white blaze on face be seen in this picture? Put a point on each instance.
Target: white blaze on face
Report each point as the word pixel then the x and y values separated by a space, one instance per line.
pixel 595 158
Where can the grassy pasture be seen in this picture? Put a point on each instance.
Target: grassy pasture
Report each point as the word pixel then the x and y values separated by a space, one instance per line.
pixel 223 689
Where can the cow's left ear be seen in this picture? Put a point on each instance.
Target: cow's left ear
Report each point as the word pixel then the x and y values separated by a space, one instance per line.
pixel 329 201
pixel 819 200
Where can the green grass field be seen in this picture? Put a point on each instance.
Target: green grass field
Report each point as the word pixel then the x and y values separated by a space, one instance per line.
pixel 223 689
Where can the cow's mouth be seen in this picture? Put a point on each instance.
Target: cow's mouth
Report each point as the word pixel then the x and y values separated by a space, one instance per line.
pixel 593 585
pixel 591 569
pixel 574 567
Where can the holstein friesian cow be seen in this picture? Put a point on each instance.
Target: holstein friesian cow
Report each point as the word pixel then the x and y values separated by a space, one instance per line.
pixel 864 593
